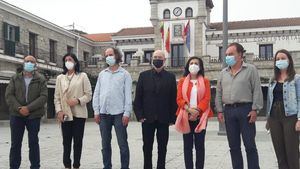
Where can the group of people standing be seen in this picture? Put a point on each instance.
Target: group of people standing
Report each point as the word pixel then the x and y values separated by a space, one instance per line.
pixel 159 102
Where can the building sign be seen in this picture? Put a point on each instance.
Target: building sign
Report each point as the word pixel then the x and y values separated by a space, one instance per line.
pixel 262 38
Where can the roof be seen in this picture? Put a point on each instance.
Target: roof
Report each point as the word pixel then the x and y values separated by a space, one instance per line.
pixel 99 37
pixel 263 23
pixel 135 31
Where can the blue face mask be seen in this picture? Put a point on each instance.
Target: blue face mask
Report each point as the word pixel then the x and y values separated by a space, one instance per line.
pixel 29 67
pixel 282 64
pixel 110 60
pixel 230 60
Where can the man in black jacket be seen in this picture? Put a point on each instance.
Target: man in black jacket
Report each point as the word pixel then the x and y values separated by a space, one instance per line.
pixel 155 107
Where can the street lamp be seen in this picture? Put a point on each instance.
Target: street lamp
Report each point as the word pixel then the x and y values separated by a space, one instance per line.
pixel 222 129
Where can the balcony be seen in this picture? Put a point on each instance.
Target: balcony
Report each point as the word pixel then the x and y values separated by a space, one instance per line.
pixel 17 49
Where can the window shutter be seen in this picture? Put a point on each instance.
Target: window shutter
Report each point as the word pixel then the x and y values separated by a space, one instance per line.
pixel 17 34
pixel 5 28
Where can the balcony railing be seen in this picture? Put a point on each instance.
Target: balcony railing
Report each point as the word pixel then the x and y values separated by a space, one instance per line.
pixel 177 62
pixel 258 58
pixel 16 48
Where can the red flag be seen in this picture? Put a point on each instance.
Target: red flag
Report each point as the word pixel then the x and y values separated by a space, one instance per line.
pixel 162 31
pixel 168 41
pixel 185 30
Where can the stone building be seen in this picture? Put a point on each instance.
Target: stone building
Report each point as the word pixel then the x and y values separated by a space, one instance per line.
pixel 23 33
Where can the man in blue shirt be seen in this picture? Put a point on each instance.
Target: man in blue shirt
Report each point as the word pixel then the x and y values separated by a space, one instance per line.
pixel 112 104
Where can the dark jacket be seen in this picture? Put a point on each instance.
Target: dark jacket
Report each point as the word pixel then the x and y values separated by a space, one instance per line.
pixel 155 97
pixel 37 95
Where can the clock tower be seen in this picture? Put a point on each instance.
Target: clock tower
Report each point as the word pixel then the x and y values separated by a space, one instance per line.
pixel 179 28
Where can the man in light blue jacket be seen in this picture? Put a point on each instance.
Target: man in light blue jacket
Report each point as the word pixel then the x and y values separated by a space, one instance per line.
pixel 112 104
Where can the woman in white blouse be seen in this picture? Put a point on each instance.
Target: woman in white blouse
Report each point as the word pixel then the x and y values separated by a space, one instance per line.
pixel 193 100
pixel 72 92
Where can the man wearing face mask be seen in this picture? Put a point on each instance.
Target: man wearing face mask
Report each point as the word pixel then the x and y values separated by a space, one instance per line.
pixel 155 107
pixel 112 106
pixel 26 95
pixel 238 100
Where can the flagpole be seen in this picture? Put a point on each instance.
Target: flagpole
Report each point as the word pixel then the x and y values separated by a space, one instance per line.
pixel 222 130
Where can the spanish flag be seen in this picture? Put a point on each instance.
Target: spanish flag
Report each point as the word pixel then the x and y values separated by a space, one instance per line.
pixel 162 31
pixel 168 41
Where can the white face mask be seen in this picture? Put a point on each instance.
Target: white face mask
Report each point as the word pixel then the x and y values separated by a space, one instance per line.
pixel 194 69
pixel 69 65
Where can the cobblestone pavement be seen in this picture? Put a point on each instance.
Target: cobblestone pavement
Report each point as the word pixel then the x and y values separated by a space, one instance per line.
pixel 217 152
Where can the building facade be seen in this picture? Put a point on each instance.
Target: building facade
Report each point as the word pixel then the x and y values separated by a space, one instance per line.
pixel 181 28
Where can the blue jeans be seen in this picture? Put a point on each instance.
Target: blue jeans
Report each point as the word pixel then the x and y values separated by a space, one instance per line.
pixel 17 127
pixel 188 142
pixel 106 123
pixel 237 124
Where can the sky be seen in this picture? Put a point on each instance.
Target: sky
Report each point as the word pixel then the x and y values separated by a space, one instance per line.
pixel 104 16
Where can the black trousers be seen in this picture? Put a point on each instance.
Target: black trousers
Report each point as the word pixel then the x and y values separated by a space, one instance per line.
pixel 191 139
pixel 72 130
pixel 284 137
pixel 162 136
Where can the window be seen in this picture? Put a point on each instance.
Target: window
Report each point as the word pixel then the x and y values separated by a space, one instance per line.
pixel 266 51
pixel 11 33
pixel 148 56
pixel 86 58
pixel 32 44
pixel 53 50
pixel 70 49
pixel 166 14
pixel 220 53
pixel 177 55
pixel 11 36
pixel 177 30
pixel 128 56
pixel 93 60
pixel 188 12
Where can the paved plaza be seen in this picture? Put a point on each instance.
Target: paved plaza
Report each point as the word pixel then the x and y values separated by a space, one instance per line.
pixel 217 151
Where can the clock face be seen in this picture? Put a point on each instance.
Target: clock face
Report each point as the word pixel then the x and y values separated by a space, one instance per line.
pixel 177 11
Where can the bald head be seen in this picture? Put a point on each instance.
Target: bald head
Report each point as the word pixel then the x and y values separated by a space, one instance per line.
pixel 30 58
pixel 158 60
pixel 159 54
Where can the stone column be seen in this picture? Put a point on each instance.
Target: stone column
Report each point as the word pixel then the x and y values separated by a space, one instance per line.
pixel 135 60
pixel 156 25
pixel 199 41
pixel 101 63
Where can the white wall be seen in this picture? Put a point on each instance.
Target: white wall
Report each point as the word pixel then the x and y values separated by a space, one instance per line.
pixel 179 20
pixel 290 42
pixel 171 5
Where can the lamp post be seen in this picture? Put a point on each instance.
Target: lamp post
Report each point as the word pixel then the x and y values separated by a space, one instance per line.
pixel 222 130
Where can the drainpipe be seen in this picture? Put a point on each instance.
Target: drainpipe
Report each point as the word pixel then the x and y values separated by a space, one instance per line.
pixel 77 42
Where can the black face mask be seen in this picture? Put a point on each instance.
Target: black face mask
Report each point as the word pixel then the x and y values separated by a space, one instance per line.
pixel 158 63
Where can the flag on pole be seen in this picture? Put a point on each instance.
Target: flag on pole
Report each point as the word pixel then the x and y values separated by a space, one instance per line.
pixel 162 30
pixel 168 41
pixel 187 36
